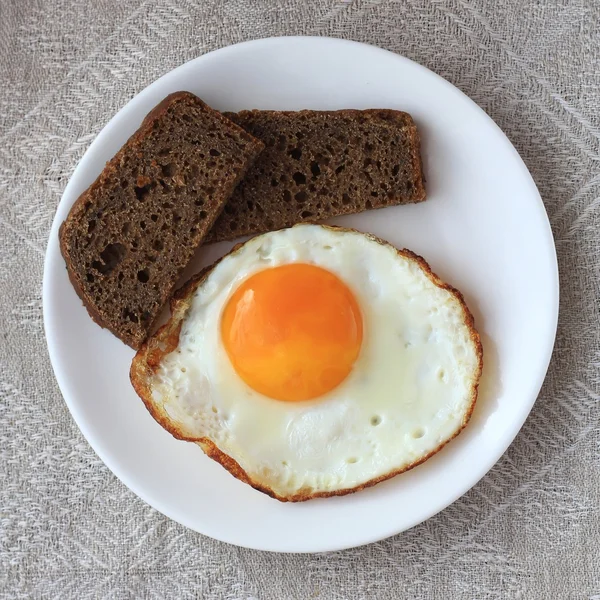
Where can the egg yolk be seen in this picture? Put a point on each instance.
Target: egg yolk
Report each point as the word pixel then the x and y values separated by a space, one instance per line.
pixel 292 332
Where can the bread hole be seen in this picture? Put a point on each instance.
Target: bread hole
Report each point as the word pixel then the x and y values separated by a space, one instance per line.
pixel 368 204
pixel 129 314
pixel 90 277
pixel 214 152
pixel 296 153
pixel 300 196
pixel 168 170
pixel 142 225
pixel 151 258
pixel 340 169
pixel 143 276
pixel 375 420
pixel 315 169
pixel 157 245
pixel 233 225
pixel 369 147
pixel 274 182
pixel 164 151
pixel 111 256
pixel 202 215
pixel 379 165
pixel 142 192
pixel 352 460
pixel 329 149
pixel 120 276
pixel 299 178
pixel 91 226
pixel 418 433
pixel 395 170
pixel 287 196
pixel 306 214
pixel 323 191
pixel 124 183
pixel 367 162
pixel 409 186
pixel 346 199
pixel 176 217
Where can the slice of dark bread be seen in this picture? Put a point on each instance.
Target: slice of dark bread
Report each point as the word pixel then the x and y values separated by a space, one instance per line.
pixel 131 233
pixel 321 164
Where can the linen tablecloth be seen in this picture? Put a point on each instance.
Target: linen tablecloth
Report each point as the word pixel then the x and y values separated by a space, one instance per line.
pixel 70 529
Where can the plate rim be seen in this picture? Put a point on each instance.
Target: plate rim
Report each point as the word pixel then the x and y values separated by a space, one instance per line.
pixel 62 379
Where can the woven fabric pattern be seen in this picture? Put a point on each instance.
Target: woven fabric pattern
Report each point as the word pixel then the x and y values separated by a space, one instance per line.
pixel 69 529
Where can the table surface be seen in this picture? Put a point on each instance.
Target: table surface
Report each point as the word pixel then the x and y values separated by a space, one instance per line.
pixel 70 529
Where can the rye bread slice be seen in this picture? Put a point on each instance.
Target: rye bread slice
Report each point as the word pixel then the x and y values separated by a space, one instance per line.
pixel 321 164
pixel 128 237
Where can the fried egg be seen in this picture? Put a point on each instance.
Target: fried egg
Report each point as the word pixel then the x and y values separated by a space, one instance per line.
pixel 314 361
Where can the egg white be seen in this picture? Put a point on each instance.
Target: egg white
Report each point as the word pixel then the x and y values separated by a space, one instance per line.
pixel 412 387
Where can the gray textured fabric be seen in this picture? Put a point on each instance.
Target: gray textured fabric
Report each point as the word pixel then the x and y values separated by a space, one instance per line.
pixel 70 529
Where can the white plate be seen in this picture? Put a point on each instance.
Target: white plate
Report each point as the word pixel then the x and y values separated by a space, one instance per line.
pixel 483 229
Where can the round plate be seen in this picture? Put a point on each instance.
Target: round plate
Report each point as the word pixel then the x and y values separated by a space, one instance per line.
pixel 483 229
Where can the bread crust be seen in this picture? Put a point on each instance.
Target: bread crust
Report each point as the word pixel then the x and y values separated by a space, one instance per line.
pixel 165 340
pixel 112 168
